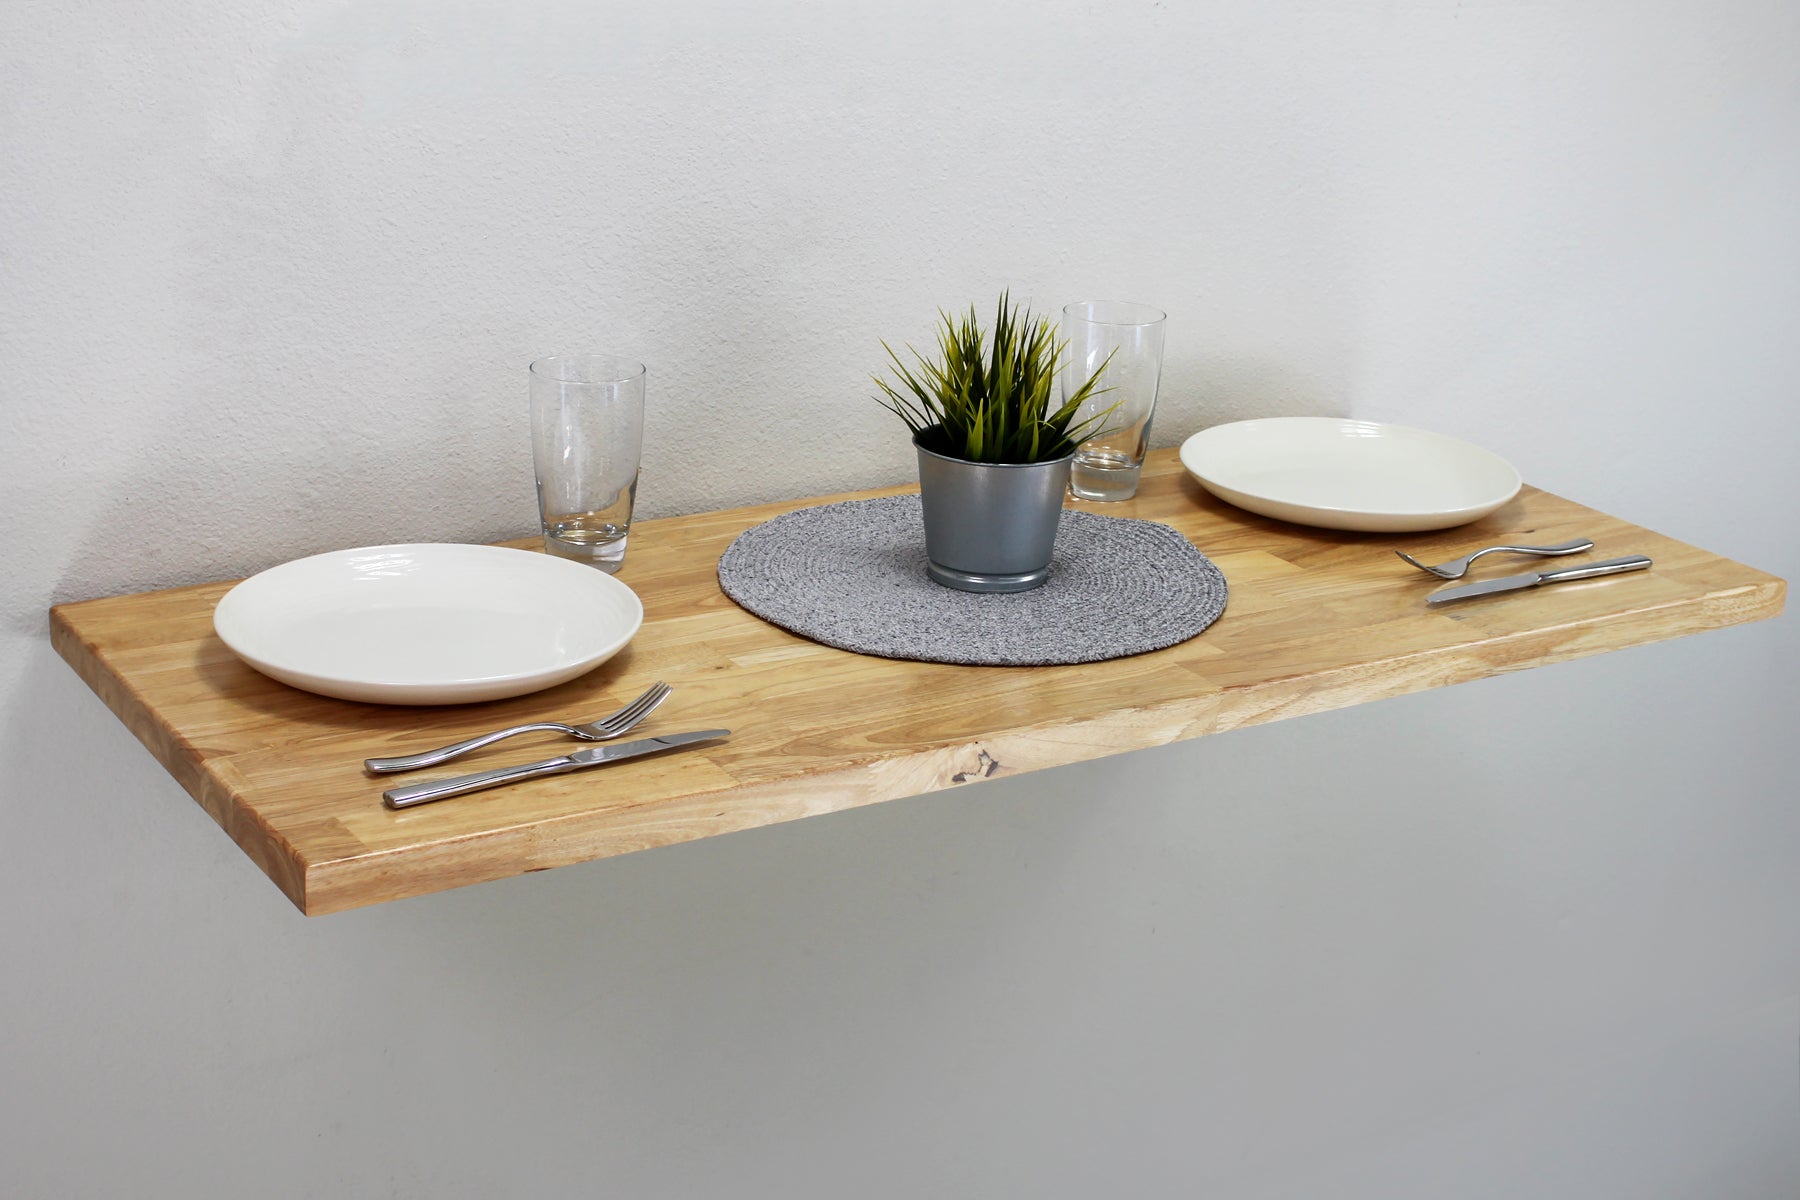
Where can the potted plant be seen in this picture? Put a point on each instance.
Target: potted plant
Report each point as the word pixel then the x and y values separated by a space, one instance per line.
pixel 993 453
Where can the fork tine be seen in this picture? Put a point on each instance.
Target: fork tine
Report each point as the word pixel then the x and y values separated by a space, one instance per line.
pixel 629 713
pixel 1415 562
pixel 647 703
pixel 638 709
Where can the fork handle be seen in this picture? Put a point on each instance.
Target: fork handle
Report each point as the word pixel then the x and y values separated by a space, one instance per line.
pixel 1574 547
pixel 431 758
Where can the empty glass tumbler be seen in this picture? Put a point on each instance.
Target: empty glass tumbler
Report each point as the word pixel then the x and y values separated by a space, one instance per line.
pixel 587 433
pixel 1107 467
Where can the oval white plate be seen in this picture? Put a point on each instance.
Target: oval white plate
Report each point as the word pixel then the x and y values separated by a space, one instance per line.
pixel 1337 473
pixel 431 623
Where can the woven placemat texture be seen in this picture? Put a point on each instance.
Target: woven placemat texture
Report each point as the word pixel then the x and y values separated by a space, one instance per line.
pixel 852 575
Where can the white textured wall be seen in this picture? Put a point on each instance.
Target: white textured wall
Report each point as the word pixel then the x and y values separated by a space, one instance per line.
pixel 269 276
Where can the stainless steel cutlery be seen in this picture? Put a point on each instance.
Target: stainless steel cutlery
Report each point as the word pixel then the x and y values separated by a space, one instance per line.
pixel 439 789
pixel 1457 568
pixel 605 729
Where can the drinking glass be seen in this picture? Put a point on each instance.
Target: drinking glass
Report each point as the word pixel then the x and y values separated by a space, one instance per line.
pixel 1107 467
pixel 587 432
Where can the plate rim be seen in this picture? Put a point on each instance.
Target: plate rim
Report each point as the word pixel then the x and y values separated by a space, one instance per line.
pixel 1472 511
pixel 446 690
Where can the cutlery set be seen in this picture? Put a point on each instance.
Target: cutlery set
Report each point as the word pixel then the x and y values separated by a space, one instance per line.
pixel 605 729
pixel 1457 568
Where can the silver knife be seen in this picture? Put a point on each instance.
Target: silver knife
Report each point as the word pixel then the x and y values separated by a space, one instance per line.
pixel 596 756
pixel 1611 566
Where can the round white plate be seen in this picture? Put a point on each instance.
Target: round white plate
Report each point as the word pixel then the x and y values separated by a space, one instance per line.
pixel 431 623
pixel 1342 474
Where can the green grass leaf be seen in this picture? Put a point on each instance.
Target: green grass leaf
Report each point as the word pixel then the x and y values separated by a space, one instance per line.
pixel 990 400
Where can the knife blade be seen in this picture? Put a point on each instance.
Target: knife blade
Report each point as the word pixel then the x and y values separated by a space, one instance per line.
pixel 594 756
pixel 1512 583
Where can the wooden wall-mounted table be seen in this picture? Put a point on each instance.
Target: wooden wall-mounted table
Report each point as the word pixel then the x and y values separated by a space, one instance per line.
pixel 1317 620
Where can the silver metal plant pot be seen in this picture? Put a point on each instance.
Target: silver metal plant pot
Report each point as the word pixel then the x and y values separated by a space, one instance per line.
pixel 990 527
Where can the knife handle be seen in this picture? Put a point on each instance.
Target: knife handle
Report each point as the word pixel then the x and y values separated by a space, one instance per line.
pixel 458 785
pixel 1611 566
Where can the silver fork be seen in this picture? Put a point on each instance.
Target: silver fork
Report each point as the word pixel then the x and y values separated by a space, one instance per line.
pixel 1456 568
pixel 603 730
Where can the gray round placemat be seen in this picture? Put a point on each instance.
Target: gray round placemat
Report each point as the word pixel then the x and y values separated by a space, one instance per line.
pixel 852 575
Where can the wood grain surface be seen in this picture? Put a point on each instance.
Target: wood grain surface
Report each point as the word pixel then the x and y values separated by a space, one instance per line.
pixel 1317 620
